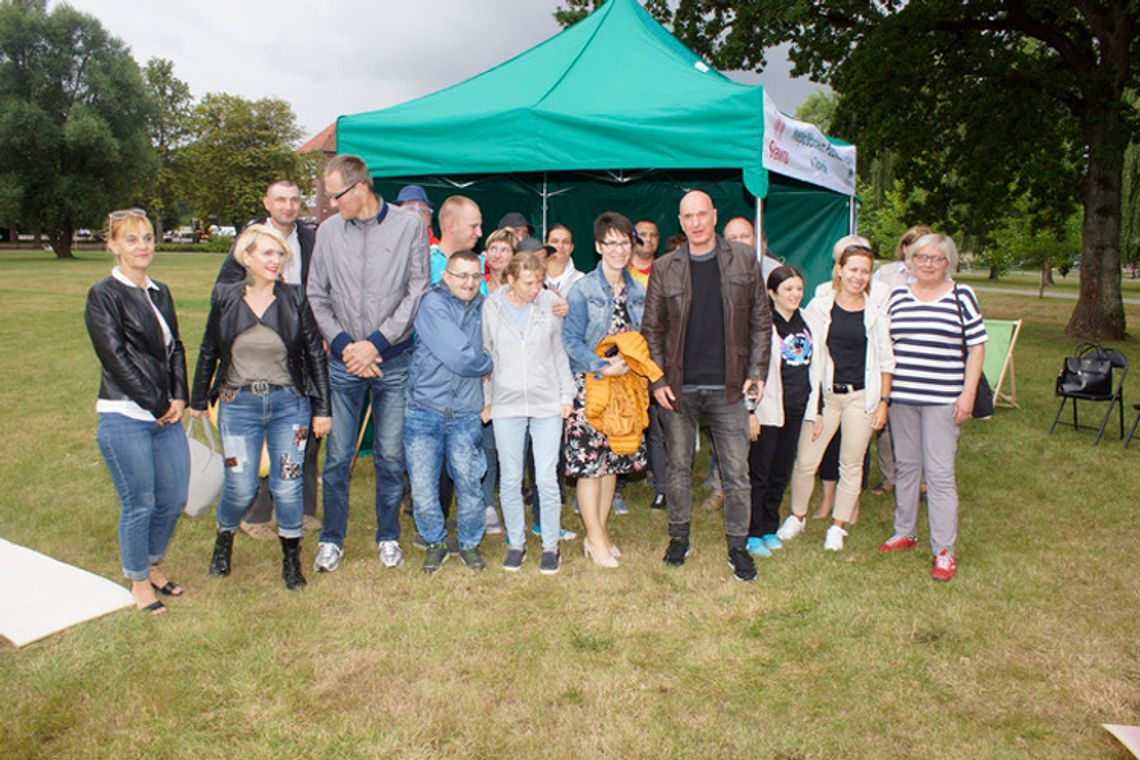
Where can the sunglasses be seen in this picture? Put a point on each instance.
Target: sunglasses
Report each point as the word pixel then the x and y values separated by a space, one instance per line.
pixel 126 212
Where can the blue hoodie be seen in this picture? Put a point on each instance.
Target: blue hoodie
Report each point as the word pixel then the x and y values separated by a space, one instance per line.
pixel 448 365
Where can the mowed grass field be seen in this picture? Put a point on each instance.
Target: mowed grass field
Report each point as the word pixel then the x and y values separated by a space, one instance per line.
pixel 850 655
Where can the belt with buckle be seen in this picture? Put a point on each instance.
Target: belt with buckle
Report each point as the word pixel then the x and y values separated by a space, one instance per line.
pixel 263 388
pixel 846 387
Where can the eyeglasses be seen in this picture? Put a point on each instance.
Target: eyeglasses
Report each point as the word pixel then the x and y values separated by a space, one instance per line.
pixel 617 243
pixel 929 258
pixel 469 277
pixel 345 191
pixel 123 213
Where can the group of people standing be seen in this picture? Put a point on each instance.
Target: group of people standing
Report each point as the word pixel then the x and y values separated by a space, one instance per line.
pixel 513 360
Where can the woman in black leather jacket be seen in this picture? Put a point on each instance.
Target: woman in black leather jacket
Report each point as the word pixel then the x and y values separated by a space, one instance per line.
pixel 262 358
pixel 134 330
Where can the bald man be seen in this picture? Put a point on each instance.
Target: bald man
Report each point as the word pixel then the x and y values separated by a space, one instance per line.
pixel 741 230
pixel 708 327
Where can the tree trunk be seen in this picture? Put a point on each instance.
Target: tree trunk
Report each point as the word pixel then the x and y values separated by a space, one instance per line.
pixel 61 243
pixel 1047 273
pixel 1099 313
pixel 993 273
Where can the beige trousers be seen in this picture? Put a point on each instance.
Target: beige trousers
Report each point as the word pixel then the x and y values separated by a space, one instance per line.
pixel 841 411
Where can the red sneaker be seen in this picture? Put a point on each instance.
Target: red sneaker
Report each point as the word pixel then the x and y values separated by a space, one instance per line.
pixel 898 543
pixel 945 566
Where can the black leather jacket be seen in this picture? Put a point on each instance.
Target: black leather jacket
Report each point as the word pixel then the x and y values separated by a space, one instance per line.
pixel 289 317
pixel 128 341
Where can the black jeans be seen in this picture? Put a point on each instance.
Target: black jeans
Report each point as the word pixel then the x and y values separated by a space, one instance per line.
pixel 728 424
pixel 770 462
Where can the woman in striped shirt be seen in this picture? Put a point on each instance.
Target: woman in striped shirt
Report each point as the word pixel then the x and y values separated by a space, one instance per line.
pixel 938 338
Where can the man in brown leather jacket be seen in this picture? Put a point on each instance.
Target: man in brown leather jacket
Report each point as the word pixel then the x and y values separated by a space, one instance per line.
pixel 708 327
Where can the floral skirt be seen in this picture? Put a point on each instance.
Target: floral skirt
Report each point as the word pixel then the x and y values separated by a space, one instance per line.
pixel 587 450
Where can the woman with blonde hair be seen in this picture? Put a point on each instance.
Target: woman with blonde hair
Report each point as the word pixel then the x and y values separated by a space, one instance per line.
pixel 853 377
pixel 261 357
pixel 142 396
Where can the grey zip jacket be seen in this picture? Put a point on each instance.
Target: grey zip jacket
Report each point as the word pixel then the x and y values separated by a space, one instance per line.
pixel 532 375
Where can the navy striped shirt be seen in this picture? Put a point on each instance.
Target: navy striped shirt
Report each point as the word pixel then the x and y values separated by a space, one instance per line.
pixel 927 340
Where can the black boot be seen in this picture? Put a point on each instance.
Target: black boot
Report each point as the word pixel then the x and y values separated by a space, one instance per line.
pixel 291 563
pixel 223 552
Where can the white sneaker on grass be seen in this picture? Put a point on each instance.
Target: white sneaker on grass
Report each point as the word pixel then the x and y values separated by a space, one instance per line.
pixel 491 524
pixel 791 528
pixel 391 555
pixel 328 557
pixel 833 541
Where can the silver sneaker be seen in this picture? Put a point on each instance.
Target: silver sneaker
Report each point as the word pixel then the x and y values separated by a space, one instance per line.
pixel 491 524
pixel 328 557
pixel 391 555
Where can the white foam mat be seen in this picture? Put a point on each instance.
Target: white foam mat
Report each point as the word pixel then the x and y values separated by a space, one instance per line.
pixel 40 595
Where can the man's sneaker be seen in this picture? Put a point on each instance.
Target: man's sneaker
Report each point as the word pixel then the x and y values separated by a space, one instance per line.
pixel 452 545
pixel 772 541
pixel 791 528
pixel 714 501
pixel 472 558
pixel 328 557
pixel 833 541
pixel 677 551
pixel 945 566
pixel 419 542
pixel 563 533
pixel 757 546
pixel 514 560
pixel 551 563
pixel 659 502
pixel 743 568
pixel 898 544
pixel 435 557
pixel 619 505
pixel 491 524
pixel 391 555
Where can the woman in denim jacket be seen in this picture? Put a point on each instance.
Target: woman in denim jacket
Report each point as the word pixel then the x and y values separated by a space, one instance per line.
pixel 605 302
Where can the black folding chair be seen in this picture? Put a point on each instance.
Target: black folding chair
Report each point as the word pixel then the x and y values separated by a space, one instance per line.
pixel 1135 422
pixel 1114 395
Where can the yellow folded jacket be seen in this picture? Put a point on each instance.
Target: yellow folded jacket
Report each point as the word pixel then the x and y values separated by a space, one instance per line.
pixel 619 406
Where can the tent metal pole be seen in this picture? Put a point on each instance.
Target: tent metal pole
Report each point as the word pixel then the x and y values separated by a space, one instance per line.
pixel 759 230
pixel 545 205
pixel 851 228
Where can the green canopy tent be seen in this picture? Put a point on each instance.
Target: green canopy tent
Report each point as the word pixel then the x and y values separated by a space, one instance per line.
pixel 612 113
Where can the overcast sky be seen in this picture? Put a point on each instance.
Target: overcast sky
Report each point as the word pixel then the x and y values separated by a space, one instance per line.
pixel 328 59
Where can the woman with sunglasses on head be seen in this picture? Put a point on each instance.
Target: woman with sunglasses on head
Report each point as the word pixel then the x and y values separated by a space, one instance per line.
pixel 261 358
pixel 142 396
pixel 852 374
pixel 939 341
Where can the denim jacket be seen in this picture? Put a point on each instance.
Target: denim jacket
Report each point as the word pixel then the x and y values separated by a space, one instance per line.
pixel 447 368
pixel 591 309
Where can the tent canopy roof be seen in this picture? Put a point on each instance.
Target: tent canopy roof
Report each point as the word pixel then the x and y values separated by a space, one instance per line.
pixel 614 91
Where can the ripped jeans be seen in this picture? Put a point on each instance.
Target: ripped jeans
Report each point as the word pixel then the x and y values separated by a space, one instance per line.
pixel 280 421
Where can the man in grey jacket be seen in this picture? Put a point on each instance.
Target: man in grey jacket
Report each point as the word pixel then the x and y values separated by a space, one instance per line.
pixel 369 269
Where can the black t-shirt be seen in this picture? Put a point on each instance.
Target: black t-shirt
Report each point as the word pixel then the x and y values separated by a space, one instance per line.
pixel 704 336
pixel 847 342
pixel 795 349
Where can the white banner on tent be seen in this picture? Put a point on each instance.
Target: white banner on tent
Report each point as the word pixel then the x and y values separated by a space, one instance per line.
pixel 798 149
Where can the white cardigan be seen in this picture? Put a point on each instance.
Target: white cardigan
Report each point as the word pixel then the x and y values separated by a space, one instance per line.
pixel 880 356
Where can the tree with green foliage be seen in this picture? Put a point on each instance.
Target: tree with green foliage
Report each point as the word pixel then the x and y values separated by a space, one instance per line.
pixel 984 101
pixel 239 147
pixel 73 116
pixel 169 127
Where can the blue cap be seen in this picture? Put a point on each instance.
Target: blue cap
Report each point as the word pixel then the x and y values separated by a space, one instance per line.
pixel 409 193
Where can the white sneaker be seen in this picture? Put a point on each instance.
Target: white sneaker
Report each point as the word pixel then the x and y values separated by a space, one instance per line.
pixel 491 524
pixel 391 555
pixel 791 528
pixel 328 557
pixel 833 541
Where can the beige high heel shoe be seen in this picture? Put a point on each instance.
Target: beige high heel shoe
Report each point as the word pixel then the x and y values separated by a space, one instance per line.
pixel 608 562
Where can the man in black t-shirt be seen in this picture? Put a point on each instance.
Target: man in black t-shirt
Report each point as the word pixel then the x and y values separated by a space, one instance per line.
pixel 708 327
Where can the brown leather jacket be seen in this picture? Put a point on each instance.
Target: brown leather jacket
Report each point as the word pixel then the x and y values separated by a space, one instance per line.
pixel 747 321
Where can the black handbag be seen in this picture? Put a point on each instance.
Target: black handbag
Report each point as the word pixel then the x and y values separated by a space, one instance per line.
pixel 984 396
pixel 1087 373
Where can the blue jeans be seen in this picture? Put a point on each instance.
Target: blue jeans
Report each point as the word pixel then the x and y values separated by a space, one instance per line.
pixel 429 438
pixel 280 422
pixel 388 398
pixel 546 442
pixel 150 467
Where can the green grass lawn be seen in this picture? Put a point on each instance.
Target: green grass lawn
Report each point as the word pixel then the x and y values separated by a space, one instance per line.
pixel 1031 281
pixel 1025 654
